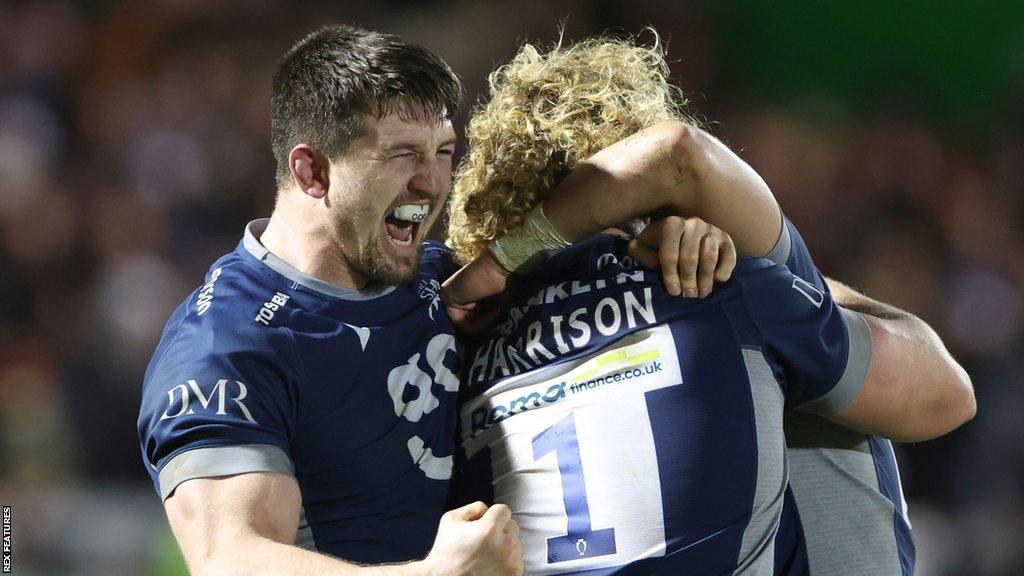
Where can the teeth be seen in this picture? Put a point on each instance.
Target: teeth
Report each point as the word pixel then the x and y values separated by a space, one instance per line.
pixel 411 212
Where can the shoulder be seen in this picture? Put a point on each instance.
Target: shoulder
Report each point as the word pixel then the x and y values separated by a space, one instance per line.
pixel 774 284
pixel 220 321
pixel 598 256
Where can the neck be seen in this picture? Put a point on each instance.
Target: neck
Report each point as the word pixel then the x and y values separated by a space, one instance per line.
pixel 308 244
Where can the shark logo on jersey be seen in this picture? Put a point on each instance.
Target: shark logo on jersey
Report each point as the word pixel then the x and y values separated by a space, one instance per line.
pixel 431 289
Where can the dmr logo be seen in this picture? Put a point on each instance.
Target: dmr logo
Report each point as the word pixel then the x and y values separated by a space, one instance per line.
pixel 185 396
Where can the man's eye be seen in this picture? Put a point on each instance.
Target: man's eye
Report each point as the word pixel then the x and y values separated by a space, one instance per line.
pixel 446 152
pixel 405 155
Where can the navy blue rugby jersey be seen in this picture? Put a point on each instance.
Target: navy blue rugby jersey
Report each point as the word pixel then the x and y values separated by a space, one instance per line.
pixel 850 516
pixel 264 368
pixel 632 432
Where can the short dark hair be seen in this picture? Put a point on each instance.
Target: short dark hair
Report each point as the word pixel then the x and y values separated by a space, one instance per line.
pixel 327 80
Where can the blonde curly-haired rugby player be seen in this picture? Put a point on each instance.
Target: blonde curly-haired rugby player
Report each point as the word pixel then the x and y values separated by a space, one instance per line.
pixel 633 432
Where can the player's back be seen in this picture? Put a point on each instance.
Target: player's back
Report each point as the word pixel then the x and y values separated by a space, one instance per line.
pixel 634 432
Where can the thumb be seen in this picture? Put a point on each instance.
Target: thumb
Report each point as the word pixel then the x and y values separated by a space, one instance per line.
pixel 477 280
pixel 500 514
pixel 469 512
pixel 644 254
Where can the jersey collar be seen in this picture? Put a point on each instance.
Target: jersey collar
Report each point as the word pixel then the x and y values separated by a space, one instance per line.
pixel 252 244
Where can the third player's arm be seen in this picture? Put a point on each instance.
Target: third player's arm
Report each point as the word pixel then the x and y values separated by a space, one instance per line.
pixel 914 389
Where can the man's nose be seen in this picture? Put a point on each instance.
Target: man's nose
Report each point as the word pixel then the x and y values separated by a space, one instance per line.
pixel 429 177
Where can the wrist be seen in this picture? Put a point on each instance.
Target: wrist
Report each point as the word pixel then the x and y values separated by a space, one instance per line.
pixel 524 248
pixel 425 567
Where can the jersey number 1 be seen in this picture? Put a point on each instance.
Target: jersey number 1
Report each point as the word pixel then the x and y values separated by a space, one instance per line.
pixel 580 541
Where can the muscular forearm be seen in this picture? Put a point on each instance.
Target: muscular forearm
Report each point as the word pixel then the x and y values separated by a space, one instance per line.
pixel 258 556
pixel 670 167
pixel 239 526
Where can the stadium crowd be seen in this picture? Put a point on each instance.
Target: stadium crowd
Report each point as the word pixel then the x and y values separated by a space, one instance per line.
pixel 134 148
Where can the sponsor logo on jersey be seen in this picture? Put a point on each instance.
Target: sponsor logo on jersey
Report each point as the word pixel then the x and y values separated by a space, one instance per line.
pixel 205 299
pixel 187 398
pixel 269 308
pixel 609 368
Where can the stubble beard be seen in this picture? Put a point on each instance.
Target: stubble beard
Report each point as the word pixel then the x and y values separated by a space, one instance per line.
pixel 369 261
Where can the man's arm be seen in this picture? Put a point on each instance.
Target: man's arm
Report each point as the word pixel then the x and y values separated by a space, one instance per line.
pixel 674 167
pixel 244 525
pixel 668 168
pixel 914 389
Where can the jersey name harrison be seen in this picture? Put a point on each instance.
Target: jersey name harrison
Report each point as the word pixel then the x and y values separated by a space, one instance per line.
pixel 180 399
pixel 564 333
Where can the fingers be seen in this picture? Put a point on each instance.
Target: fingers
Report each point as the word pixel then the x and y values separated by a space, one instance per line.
pixel 512 530
pixel 643 252
pixel 477 280
pixel 690 255
pixel 668 253
pixel 709 255
pixel 515 547
pixel 726 260
pixel 499 514
pixel 468 513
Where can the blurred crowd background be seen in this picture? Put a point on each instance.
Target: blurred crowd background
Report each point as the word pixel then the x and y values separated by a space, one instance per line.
pixel 134 148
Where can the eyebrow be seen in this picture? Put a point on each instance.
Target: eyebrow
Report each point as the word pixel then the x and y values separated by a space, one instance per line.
pixel 417 145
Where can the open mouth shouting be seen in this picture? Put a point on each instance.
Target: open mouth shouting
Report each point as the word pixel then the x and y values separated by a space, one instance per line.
pixel 403 223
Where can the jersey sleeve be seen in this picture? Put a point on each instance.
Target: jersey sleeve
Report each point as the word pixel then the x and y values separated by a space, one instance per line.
pixel 820 350
pixel 791 251
pixel 216 406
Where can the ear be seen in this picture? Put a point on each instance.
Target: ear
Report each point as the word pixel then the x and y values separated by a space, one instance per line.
pixel 310 170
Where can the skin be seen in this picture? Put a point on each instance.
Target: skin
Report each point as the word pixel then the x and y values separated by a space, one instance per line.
pixel 330 224
pixel 245 525
pixel 914 389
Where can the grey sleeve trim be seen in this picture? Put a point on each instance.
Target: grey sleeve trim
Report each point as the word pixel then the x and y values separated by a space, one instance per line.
pixel 217 461
pixel 856 371
pixel 783 246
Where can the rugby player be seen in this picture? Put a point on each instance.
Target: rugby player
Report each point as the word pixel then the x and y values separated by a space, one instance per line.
pixel 633 432
pixel 298 414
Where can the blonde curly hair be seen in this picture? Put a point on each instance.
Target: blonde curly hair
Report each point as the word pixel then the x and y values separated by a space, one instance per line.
pixel 547 112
